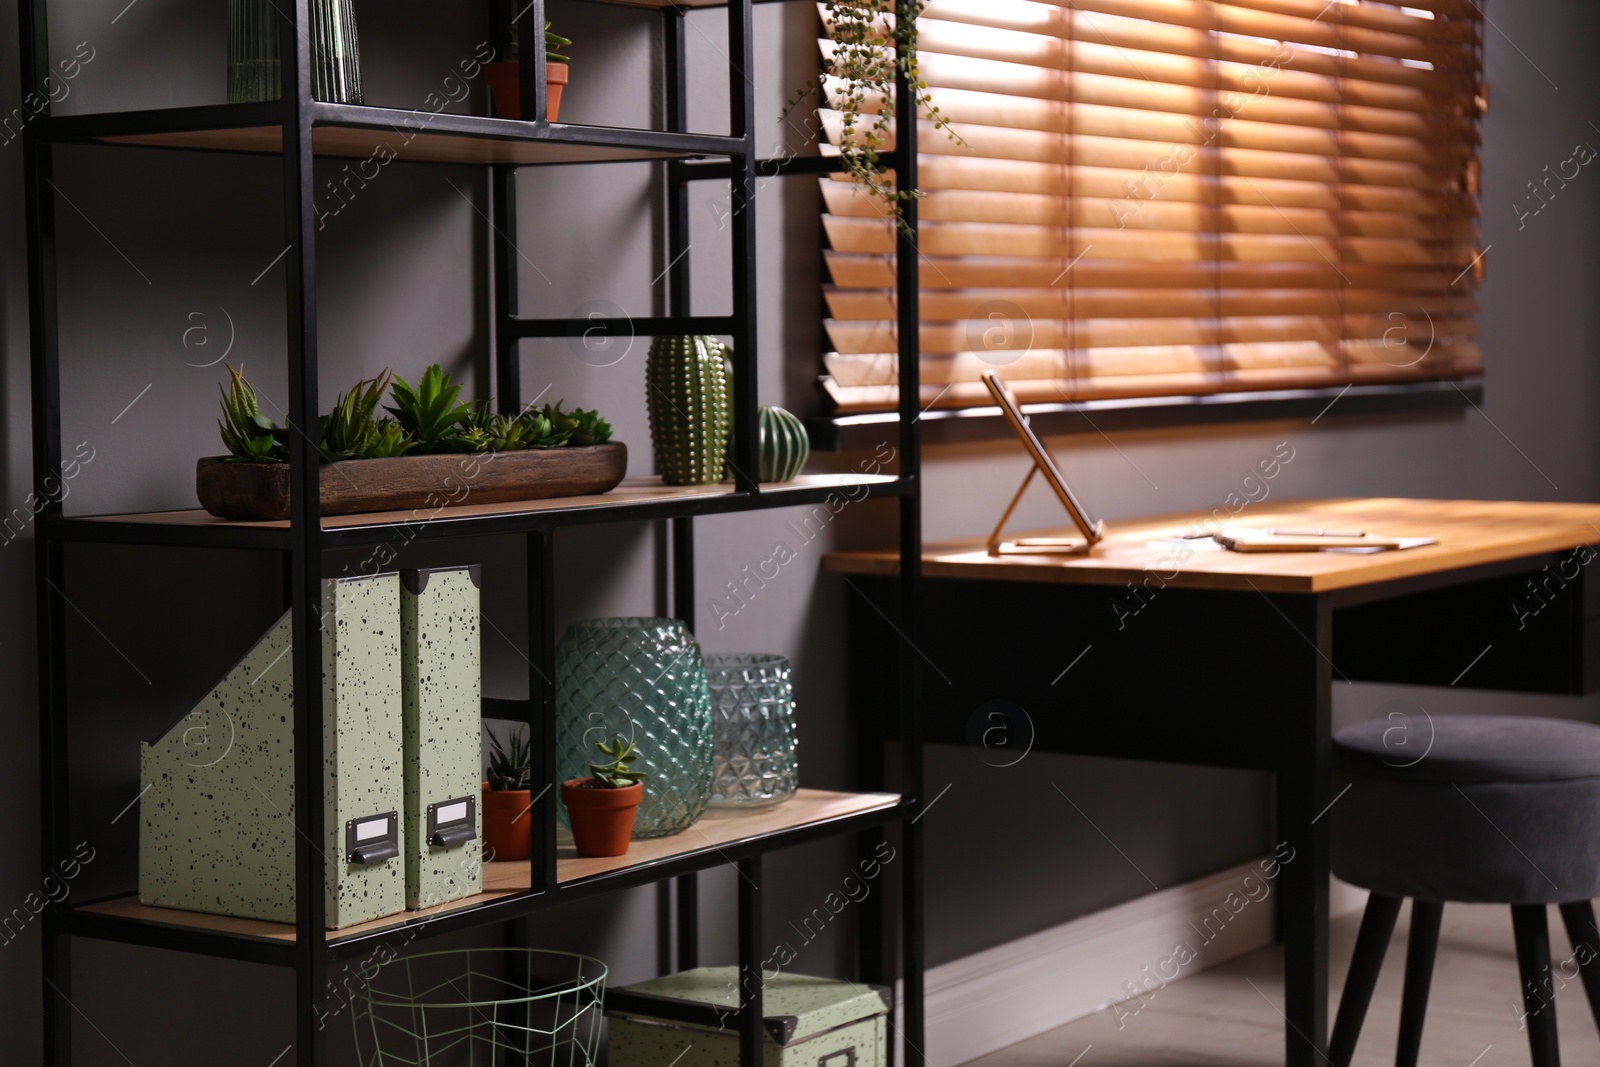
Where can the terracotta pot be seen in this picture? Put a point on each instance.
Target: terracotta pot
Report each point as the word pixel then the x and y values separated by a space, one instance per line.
pixel 505 83
pixel 602 819
pixel 507 825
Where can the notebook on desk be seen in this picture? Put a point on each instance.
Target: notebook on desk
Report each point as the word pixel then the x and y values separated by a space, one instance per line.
pixel 1250 539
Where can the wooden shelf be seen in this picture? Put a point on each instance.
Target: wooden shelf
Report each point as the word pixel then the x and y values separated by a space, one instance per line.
pixel 720 828
pixel 634 498
pixel 381 134
pixel 354 143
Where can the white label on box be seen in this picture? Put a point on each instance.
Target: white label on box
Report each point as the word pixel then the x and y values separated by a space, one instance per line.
pixel 366 831
pixel 456 812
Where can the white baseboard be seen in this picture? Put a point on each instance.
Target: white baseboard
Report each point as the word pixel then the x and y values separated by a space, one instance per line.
pixel 997 997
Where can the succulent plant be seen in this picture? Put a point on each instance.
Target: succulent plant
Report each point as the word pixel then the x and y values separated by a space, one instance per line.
pixel 616 775
pixel 581 428
pixel 509 433
pixel 391 440
pixel 249 435
pixel 349 431
pixel 429 412
pixel 429 418
pixel 537 431
pixel 510 768
pixel 553 44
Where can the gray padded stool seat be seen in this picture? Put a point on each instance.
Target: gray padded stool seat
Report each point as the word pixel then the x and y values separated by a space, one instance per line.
pixel 1497 809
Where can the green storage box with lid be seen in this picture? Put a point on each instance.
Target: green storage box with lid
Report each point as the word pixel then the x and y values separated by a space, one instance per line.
pixel 217 804
pixel 443 676
pixel 809 1022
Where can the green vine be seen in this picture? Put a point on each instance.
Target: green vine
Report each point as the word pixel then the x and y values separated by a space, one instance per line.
pixel 867 36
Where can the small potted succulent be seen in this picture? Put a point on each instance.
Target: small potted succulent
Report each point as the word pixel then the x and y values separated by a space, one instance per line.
pixel 507 796
pixel 602 806
pixel 505 78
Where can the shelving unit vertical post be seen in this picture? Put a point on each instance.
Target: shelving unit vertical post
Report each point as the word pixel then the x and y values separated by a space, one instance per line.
pixel 304 557
pixel 908 264
pixel 50 581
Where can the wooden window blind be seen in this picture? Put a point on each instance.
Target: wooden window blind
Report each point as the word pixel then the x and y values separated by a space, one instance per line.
pixel 1162 197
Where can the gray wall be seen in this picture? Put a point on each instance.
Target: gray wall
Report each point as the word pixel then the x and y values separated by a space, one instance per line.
pixel 155 245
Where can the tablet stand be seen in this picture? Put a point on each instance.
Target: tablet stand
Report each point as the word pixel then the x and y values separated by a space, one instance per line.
pixel 1042 461
pixel 1034 546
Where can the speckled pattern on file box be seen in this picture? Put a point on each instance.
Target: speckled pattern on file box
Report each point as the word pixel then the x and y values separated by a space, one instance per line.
pixel 809 1022
pixel 443 729
pixel 217 812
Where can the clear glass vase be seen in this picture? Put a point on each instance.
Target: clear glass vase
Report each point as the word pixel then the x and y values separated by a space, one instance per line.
pixel 253 68
pixel 752 715
pixel 642 680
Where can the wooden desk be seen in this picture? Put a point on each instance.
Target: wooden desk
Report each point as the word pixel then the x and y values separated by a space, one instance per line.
pixel 1185 655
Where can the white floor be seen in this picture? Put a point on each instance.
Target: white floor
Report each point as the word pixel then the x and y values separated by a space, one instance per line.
pixel 1231 1015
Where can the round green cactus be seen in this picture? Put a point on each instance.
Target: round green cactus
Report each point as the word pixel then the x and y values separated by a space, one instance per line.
pixel 785 445
pixel 690 397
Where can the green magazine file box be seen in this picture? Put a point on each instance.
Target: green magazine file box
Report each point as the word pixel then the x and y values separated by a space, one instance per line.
pixel 443 688
pixel 217 811
pixel 809 1022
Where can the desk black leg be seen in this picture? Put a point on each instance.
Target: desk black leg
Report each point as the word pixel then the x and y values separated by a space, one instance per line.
pixel 1303 798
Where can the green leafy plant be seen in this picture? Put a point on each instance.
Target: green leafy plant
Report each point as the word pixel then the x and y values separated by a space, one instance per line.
pixel 429 412
pixel 249 436
pixel 579 427
pixel 510 768
pixel 429 418
pixel 391 440
pixel 553 43
pixel 509 433
pixel 349 431
pixel 868 36
pixel 536 431
pixel 615 774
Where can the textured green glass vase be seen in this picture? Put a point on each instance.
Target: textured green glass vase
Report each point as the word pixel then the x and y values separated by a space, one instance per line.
pixel 785 445
pixel 642 680
pixel 690 397
pixel 752 712
pixel 253 68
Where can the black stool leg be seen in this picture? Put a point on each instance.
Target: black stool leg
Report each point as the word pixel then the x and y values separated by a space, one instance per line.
pixel 1579 918
pixel 1377 927
pixel 1538 995
pixel 1425 918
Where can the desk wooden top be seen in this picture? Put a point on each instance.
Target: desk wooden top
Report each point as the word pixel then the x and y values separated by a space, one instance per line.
pixel 1469 533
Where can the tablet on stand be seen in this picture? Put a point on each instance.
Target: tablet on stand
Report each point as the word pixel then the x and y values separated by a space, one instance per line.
pixel 1092 531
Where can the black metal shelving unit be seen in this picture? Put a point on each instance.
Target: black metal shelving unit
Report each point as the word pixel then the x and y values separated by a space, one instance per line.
pixel 298 129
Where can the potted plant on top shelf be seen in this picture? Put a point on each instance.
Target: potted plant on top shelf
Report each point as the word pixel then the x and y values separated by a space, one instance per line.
pixel 507 798
pixel 505 77
pixel 603 805
pixel 435 452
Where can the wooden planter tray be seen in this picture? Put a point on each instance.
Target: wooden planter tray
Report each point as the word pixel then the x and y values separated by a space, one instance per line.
pixel 260 491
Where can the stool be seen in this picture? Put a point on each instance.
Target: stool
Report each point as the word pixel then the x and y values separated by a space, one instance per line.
pixel 1494 809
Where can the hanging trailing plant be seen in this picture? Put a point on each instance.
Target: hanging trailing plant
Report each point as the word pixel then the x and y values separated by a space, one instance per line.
pixel 873 40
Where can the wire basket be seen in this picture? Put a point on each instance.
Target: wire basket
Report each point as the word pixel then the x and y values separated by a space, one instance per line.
pixel 482 1007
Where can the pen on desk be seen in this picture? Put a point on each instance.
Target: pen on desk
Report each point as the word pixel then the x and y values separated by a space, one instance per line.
pixel 1277 531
